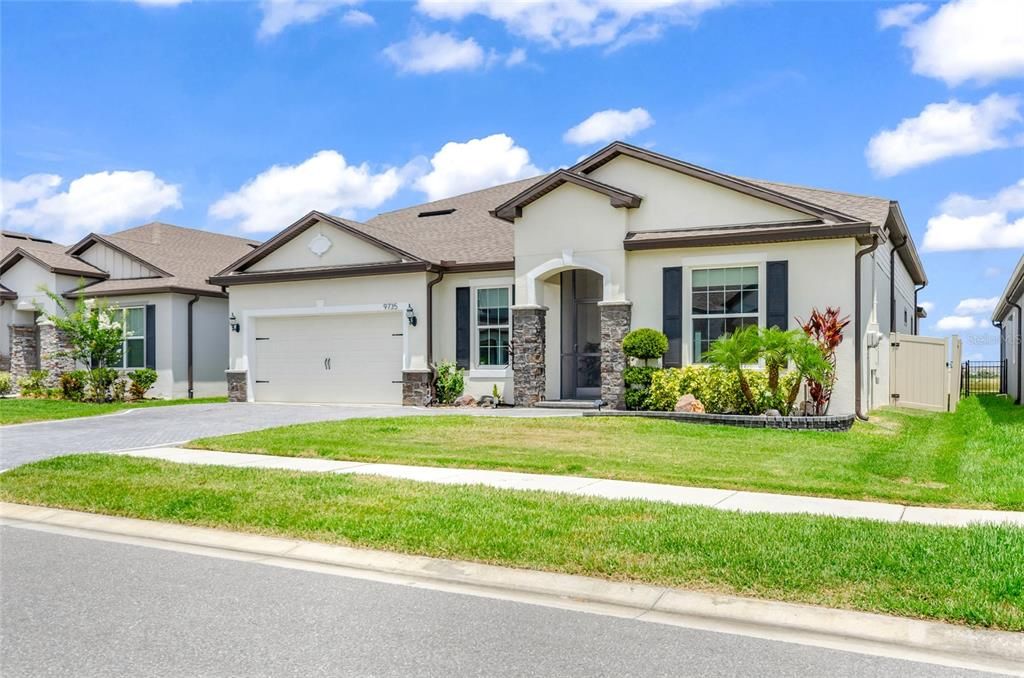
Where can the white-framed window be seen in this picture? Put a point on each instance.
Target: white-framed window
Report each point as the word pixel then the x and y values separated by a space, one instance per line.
pixel 493 329
pixel 133 350
pixel 723 299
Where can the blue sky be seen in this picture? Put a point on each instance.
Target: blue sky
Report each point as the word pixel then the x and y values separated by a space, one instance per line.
pixel 240 117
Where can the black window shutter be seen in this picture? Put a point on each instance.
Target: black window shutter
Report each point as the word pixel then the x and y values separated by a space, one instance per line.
pixel 462 329
pixel 777 294
pixel 672 314
pixel 151 336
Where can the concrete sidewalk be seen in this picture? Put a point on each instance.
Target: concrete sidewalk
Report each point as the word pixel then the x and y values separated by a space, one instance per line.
pixel 747 502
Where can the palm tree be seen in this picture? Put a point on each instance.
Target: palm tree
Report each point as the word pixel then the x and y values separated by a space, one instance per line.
pixel 810 363
pixel 733 351
pixel 776 346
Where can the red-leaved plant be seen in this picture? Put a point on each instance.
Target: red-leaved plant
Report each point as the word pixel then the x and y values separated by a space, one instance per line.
pixel 826 329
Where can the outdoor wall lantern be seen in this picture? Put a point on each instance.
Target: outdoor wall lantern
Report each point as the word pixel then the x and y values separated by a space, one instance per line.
pixel 410 315
pixel 233 323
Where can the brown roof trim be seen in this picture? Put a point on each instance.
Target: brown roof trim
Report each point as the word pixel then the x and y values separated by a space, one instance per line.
pixel 297 228
pixel 135 291
pixel 738 236
pixel 617 148
pixel 17 253
pixel 907 254
pixel 93 238
pixel 320 273
pixel 478 267
pixel 7 293
pixel 513 208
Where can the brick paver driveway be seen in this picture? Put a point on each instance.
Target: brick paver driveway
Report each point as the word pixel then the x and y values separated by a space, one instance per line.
pixel 24 443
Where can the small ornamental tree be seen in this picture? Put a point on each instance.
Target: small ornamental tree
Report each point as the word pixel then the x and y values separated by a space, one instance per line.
pixel 93 330
pixel 826 330
pixel 642 344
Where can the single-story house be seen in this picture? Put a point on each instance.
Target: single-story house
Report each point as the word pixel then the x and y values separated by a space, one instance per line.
pixel 1007 317
pixel 530 286
pixel 175 321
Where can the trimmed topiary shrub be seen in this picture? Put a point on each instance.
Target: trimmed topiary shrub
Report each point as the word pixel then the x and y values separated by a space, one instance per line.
pixel 645 343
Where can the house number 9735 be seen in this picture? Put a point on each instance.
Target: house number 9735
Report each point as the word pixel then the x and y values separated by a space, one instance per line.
pixel 390 306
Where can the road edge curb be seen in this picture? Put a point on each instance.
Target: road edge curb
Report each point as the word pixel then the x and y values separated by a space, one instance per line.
pixel 937 642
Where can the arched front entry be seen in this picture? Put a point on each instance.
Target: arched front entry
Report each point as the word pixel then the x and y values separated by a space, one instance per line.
pixel 580 330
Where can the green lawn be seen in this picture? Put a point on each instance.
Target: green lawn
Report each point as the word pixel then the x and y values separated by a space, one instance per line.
pixel 969 575
pixel 974 458
pixel 24 410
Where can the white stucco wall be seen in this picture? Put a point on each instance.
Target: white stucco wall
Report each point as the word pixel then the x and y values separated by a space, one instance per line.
pixel 673 200
pixel 345 249
pixel 26 277
pixel 568 228
pixel 479 381
pixel 318 296
pixel 821 273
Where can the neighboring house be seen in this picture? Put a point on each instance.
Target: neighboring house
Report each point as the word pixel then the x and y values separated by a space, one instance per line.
pixel 530 286
pixel 1007 317
pixel 176 322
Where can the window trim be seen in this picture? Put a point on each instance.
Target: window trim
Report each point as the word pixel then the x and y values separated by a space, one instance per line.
pixel 475 368
pixel 705 263
pixel 124 338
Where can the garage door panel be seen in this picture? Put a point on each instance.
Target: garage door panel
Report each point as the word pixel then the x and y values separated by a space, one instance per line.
pixel 353 358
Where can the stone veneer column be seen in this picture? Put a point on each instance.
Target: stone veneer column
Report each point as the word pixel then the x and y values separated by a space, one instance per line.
pixel 417 387
pixel 238 385
pixel 24 350
pixel 53 345
pixel 529 377
pixel 615 320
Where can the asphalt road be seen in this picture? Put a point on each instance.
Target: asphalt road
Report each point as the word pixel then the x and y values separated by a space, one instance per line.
pixel 79 607
pixel 153 426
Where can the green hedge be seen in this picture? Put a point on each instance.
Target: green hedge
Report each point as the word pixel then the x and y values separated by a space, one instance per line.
pixel 717 389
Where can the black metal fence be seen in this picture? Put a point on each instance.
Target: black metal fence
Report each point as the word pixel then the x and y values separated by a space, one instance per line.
pixel 977 377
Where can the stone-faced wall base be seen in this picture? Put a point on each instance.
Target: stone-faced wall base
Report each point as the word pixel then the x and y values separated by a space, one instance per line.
pixel 615 321
pixel 53 345
pixel 529 380
pixel 417 387
pixel 238 385
pixel 24 350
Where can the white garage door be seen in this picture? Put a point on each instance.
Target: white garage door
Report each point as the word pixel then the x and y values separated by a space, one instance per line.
pixel 351 358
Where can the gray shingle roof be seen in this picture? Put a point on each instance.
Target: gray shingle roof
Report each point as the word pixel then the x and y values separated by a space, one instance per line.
pixel 51 254
pixel 188 255
pixel 869 208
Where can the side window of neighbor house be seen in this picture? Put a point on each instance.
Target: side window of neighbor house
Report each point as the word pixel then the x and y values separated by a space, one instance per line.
pixel 723 300
pixel 133 353
pixel 492 326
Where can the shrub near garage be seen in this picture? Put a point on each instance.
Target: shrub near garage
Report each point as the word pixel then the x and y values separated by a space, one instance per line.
pixel 141 381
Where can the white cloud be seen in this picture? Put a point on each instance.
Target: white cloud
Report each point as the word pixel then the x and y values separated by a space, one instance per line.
pixel 92 202
pixel 434 53
pixel 475 164
pixel 162 3
pixel 992 272
pixel 355 17
pixel 943 131
pixel 516 57
pixel 952 323
pixel 979 40
pixel 900 16
pixel 609 125
pixel 280 14
pixel 976 306
pixel 967 223
pixel 325 182
pixel 574 23
pixel 927 306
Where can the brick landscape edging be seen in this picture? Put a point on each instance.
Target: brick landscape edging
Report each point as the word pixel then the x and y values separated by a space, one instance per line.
pixel 824 423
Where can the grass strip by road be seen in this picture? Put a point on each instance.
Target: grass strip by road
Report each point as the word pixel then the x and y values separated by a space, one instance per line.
pixel 971 575
pixel 973 458
pixel 25 410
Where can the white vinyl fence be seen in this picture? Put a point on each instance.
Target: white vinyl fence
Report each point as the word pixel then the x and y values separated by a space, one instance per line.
pixel 920 375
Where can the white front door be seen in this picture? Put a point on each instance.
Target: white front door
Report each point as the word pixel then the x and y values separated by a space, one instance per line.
pixel 348 358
